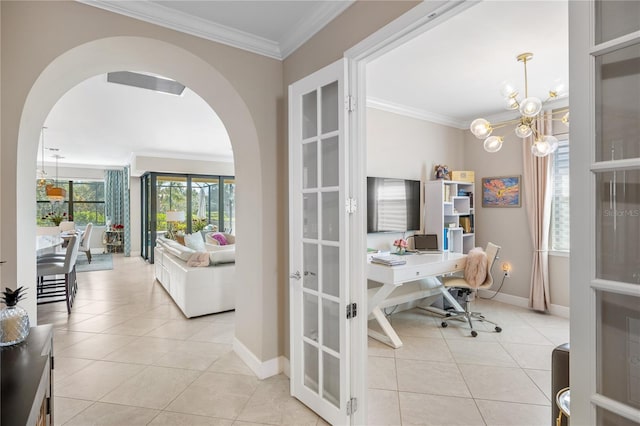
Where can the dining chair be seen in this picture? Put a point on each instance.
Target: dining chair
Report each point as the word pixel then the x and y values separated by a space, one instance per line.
pixel 85 243
pixel 52 290
pixel 67 225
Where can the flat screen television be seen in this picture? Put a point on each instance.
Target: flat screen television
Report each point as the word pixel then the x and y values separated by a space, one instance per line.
pixel 393 205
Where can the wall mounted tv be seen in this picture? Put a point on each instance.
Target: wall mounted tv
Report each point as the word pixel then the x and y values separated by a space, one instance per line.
pixel 393 205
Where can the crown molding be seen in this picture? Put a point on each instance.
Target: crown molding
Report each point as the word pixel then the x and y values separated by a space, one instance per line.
pixel 170 18
pixel 418 113
pixel 158 14
pixel 310 25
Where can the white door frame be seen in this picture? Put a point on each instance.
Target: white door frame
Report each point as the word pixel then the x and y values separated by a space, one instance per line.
pixel 416 21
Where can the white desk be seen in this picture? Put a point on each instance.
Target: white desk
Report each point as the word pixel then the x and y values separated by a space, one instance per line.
pixel 424 267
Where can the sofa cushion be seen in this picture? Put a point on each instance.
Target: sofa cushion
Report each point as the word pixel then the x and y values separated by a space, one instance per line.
pixel 199 259
pixel 222 256
pixel 175 248
pixel 217 237
pixel 220 238
pixel 194 241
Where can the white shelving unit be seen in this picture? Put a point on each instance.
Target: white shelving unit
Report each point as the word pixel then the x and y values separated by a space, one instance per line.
pixel 449 213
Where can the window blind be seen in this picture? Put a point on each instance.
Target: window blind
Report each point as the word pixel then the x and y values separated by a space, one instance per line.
pixel 560 201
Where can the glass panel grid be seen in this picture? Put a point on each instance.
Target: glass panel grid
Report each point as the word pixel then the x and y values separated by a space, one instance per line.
pixel 616 18
pixel 618 347
pixel 618 226
pixel 617 106
pixel 310 115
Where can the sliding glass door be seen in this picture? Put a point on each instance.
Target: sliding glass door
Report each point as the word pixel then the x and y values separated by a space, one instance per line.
pixel 183 203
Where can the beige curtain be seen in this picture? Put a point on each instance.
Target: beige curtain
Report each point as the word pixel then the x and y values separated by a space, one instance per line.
pixel 537 181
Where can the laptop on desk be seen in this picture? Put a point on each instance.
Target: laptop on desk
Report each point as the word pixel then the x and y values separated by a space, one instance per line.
pixel 426 243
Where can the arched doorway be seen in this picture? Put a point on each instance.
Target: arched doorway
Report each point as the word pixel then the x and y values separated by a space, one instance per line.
pixel 137 53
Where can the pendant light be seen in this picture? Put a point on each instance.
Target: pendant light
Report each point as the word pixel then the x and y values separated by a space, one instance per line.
pixel 55 194
pixel 42 174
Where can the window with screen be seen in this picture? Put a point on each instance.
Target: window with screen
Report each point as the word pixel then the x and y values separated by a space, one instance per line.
pixel 560 201
pixel 84 203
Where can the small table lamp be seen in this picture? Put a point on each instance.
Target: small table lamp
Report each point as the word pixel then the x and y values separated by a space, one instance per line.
pixel 173 216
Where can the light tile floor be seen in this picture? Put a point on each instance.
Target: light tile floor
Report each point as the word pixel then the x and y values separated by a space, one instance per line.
pixel 127 356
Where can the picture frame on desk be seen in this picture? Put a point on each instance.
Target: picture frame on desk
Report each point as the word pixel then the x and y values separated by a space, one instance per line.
pixel 501 191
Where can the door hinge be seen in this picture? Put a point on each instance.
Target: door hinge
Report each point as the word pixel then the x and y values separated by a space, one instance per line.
pixel 350 103
pixel 48 409
pixel 352 406
pixel 351 205
pixel 352 310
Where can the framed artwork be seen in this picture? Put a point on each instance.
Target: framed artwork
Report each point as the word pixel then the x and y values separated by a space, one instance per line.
pixel 501 191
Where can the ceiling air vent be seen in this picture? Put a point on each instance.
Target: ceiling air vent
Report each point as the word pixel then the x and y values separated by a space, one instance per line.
pixel 157 84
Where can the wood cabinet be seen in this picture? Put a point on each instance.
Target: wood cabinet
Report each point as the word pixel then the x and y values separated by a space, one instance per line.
pixel 450 214
pixel 26 380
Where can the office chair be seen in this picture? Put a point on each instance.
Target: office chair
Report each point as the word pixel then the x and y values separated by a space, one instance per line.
pixel 464 286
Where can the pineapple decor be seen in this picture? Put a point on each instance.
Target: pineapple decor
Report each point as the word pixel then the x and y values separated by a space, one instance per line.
pixel 14 321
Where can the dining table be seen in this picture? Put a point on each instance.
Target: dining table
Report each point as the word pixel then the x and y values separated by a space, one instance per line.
pixel 47 242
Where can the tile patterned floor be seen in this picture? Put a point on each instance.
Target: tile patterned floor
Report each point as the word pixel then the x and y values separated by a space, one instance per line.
pixel 127 356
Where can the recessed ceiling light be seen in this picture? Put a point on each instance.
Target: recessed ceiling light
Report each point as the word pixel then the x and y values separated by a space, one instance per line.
pixel 143 81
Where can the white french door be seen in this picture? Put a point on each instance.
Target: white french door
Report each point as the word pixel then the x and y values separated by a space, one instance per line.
pixel 605 212
pixel 318 246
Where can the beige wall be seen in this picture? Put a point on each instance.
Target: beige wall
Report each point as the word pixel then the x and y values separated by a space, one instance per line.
pixel 43 34
pixel 408 148
pixel 508 227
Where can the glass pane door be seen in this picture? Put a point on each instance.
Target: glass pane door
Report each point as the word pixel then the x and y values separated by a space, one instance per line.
pixel 318 284
pixel 616 175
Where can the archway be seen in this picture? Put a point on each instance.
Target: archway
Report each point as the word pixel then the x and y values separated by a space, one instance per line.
pixel 138 53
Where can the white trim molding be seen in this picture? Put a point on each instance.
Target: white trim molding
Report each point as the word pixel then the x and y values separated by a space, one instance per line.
pixel 420 114
pixel 167 17
pixel 262 369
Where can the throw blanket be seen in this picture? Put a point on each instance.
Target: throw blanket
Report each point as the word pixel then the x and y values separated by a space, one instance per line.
pixel 199 258
pixel 475 272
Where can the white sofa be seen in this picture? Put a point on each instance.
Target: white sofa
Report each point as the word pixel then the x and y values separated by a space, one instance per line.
pixel 196 290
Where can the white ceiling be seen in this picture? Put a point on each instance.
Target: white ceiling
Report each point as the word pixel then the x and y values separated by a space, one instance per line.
pixel 450 74
pixel 453 73
pixel 100 123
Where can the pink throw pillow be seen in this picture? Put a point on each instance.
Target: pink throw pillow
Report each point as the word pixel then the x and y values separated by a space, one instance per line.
pixel 220 238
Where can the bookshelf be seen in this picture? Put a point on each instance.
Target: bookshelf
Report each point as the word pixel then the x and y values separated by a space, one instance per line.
pixel 450 213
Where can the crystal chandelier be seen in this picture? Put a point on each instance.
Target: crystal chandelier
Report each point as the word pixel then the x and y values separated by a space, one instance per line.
pixel 525 126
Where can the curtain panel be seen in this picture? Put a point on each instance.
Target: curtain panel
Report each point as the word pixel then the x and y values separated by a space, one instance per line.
pixel 537 179
pixel 117 202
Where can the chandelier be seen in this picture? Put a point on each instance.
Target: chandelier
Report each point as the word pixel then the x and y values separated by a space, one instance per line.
pixel 525 126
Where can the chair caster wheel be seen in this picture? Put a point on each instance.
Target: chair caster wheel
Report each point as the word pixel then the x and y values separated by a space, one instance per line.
pixel 474 333
pixel 444 324
pixel 498 329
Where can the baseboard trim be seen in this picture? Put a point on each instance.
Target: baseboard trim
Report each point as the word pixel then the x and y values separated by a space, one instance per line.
pixel 523 302
pixel 261 369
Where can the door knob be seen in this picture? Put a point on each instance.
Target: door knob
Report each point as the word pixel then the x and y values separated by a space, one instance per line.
pixel 297 275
